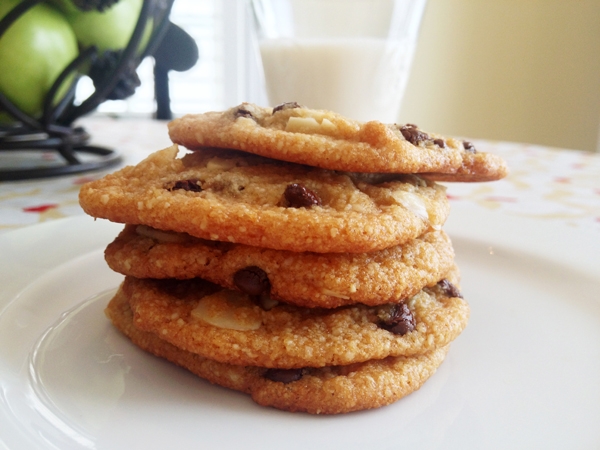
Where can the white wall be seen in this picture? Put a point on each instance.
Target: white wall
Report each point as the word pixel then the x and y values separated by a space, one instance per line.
pixel 516 70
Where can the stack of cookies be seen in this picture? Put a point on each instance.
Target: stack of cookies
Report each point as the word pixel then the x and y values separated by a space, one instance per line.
pixel 292 254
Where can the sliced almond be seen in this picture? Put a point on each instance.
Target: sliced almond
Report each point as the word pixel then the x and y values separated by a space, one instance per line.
pixel 302 125
pixel 327 126
pixel 222 164
pixel 412 202
pixel 230 310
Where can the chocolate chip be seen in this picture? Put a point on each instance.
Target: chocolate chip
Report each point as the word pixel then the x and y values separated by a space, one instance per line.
pixel 449 289
pixel 469 147
pixel 283 375
pixel 186 185
pixel 252 280
pixel 440 143
pixel 241 112
pixel 412 134
pixel 298 196
pixel 287 105
pixel 401 320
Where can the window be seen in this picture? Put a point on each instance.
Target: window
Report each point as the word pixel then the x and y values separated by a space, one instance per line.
pixel 224 75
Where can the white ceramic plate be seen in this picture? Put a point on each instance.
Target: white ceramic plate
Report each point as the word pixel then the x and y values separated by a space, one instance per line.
pixel 525 373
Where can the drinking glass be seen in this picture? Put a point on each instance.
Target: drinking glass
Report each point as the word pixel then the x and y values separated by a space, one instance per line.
pixel 349 56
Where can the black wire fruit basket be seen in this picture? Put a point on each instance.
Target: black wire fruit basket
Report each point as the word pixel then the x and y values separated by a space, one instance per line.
pixel 114 78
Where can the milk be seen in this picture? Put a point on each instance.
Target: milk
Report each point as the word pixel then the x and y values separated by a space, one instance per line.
pixel 361 78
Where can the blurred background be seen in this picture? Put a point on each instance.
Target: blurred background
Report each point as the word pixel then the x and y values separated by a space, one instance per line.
pixel 525 71
pixel 504 70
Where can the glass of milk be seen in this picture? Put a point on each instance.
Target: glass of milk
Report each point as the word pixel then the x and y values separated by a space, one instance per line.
pixel 349 56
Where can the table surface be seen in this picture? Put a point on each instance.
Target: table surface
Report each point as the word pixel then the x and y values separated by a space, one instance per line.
pixel 527 247
pixel 548 184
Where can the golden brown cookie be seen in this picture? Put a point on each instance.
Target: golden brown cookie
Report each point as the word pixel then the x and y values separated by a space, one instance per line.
pixel 326 280
pixel 230 327
pixel 328 140
pixel 237 197
pixel 475 167
pixel 327 390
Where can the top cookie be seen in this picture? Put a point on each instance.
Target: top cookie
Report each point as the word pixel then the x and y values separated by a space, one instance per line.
pixel 327 140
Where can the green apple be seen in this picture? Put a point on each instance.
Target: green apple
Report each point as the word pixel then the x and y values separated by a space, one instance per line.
pixel 34 50
pixel 71 6
pixel 110 29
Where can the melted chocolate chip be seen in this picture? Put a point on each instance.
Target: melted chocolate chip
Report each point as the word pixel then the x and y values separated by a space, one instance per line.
pixel 287 105
pixel 401 320
pixel 449 289
pixel 469 147
pixel 440 143
pixel 412 134
pixel 186 185
pixel 283 375
pixel 297 196
pixel 241 112
pixel 252 280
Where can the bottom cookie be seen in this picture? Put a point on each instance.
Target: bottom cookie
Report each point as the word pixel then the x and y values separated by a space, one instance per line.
pixel 326 390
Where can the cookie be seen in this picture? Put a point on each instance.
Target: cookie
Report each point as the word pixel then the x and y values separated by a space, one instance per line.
pixel 233 196
pixel 326 280
pixel 328 140
pixel 230 327
pixel 327 390
pixel 475 167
